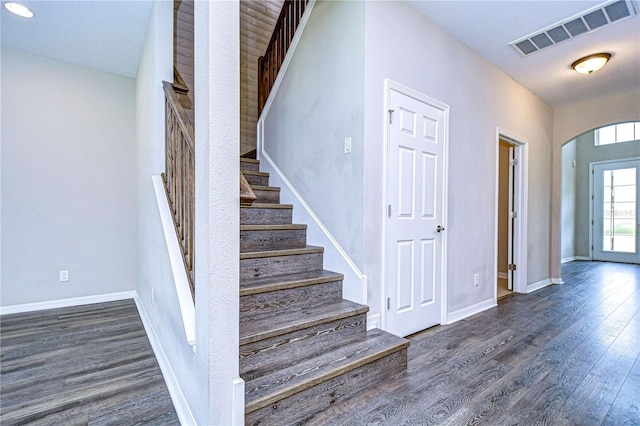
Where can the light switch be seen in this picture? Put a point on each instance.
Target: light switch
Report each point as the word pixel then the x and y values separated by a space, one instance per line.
pixel 347 145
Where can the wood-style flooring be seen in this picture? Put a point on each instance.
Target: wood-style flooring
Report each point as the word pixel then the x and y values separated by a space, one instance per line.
pixel 86 365
pixel 564 355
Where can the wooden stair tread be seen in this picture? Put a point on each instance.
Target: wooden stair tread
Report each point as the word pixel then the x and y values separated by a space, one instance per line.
pixel 269 389
pixel 253 330
pixel 267 206
pixel 265 188
pixel 280 252
pixel 254 173
pixel 263 285
pixel 278 227
pixel 249 160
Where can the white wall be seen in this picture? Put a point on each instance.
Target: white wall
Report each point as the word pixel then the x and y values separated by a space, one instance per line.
pixel 569 163
pixel 570 121
pixel 68 180
pixel 404 46
pixel 318 105
pixel 154 269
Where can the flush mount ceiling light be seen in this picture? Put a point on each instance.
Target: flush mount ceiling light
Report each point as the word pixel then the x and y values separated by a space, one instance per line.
pixel 19 10
pixel 591 63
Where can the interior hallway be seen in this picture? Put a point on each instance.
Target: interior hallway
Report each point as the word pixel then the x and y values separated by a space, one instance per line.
pixel 566 354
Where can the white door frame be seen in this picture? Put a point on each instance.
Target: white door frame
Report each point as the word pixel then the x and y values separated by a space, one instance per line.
pixel 520 196
pixel 388 86
pixel 591 193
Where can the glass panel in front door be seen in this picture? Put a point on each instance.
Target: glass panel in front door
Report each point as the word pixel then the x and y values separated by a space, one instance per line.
pixel 619 211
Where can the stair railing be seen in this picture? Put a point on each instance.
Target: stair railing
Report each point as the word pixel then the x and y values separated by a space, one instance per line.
pixel 283 32
pixel 179 180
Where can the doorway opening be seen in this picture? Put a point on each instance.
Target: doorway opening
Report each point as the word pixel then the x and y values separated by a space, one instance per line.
pixel 511 215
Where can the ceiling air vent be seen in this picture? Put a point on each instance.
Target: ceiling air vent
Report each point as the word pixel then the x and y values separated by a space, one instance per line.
pixel 585 22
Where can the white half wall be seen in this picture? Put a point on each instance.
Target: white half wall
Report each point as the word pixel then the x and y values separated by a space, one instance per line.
pixel 406 47
pixel 68 180
pixel 569 176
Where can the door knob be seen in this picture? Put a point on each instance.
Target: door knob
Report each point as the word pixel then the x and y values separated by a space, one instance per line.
pixel 440 228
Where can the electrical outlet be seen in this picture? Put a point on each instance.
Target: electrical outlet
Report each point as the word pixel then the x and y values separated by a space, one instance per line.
pixel 476 280
pixel 64 276
pixel 153 296
pixel 347 145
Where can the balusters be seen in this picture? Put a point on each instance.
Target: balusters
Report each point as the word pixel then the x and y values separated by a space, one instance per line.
pixel 283 33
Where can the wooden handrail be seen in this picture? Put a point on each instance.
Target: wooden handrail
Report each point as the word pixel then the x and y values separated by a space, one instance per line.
pixel 178 178
pixel 283 32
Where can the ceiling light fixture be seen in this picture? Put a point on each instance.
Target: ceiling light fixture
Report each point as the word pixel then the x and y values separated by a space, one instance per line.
pixel 590 64
pixel 19 10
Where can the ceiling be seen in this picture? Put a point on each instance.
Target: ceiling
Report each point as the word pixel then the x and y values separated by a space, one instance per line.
pixel 488 26
pixel 107 35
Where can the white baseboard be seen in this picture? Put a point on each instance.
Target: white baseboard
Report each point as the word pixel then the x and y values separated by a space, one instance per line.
pixel 470 310
pixel 537 286
pixel 179 401
pixel 583 258
pixel 65 303
pixel 557 281
pixel 568 259
pixel 503 275
pixel 373 321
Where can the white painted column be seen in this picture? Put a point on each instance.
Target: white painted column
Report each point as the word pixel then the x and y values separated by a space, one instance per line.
pixel 217 126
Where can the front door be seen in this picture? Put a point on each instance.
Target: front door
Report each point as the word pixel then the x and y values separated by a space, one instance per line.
pixel 415 210
pixel 615 211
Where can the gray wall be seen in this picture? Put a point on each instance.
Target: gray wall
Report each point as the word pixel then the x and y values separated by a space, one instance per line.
pixel 569 180
pixel 318 105
pixel 68 180
pixel 587 152
pixel 404 46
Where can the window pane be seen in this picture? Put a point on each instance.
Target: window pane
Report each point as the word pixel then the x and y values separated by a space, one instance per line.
pixel 622 177
pixel 624 194
pixel 624 132
pixel 606 242
pixel 606 135
pixel 624 227
pixel 624 210
pixel 606 211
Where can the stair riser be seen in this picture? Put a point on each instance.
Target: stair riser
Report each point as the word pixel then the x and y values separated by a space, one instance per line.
pixel 267 196
pixel 256 216
pixel 268 355
pixel 275 302
pixel 253 167
pixel 254 240
pixel 257 180
pixel 301 407
pixel 279 265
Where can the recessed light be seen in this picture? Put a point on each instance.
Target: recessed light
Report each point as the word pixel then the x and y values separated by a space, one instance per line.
pixel 18 9
pixel 590 64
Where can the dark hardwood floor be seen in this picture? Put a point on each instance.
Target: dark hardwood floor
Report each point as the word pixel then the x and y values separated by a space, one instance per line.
pixel 90 364
pixel 564 355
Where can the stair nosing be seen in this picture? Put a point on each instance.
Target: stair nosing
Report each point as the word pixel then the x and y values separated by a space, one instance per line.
pixel 281 252
pixel 249 160
pixel 295 388
pixel 255 173
pixel 286 285
pixel 265 188
pixel 268 206
pixel 351 311
pixel 275 227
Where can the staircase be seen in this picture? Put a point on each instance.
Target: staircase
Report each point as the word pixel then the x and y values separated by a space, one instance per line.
pixel 302 347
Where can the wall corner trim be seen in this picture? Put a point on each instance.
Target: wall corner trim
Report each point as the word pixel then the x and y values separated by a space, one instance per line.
pixel 179 401
pixel 540 284
pixel 373 321
pixel 568 259
pixel 469 311
pixel 557 281
pixel 180 279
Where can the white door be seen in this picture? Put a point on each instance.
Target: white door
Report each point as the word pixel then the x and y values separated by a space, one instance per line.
pixel 415 222
pixel 616 191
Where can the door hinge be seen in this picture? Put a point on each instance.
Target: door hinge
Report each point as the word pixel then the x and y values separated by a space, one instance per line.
pixel 391 116
pixel 513 215
pixel 388 303
pixel 512 267
pixel 513 162
pixel 389 210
